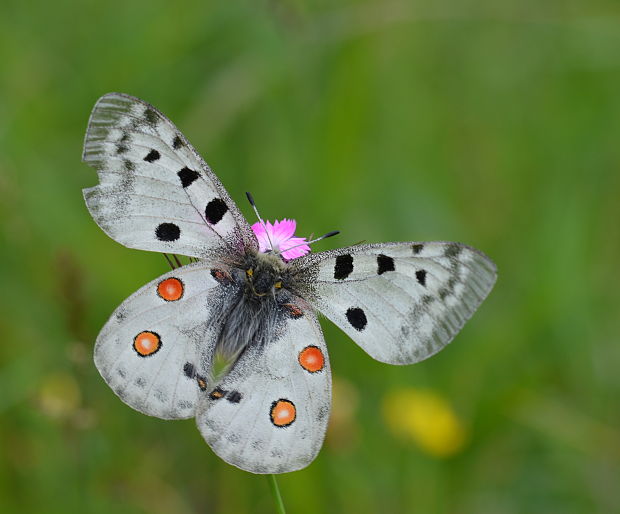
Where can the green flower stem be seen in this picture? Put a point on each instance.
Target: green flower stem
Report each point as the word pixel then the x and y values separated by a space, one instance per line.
pixel 275 492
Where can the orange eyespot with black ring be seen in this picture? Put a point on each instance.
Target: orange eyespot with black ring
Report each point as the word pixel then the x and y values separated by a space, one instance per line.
pixel 283 413
pixel 146 343
pixel 311 358
pixel 170 289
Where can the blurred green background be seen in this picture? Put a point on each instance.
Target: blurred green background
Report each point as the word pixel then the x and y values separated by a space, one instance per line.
pixel 494 123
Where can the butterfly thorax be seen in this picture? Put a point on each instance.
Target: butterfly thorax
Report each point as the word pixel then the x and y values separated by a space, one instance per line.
pixel 255 305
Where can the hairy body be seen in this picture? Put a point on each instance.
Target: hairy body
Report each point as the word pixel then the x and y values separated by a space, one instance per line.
pixel 258 299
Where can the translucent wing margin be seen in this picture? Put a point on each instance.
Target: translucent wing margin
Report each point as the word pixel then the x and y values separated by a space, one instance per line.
pixel 401 302
pixel 155 350
pixel 155 192
pixel 269 413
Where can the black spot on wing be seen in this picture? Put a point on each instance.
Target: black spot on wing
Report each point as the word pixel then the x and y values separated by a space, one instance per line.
pixel 427 299
pixel 160 395
pixel 446 291
pixel 322 413
pixel 453 250
pixel 233 438
pixel 417 248
pixel 121 314
pixel 152 156
pixel 177 143
pixel 258 445
pixel 184 405
pixel 420 276
pixel 357 318
pixel 187 176
pixel 384 263
pixel 343 267
pixel 167 232
pixel 150 116
pixel 234 397
pixel 129 166
pixel 277 453
pixel 215 210
pixel 188 370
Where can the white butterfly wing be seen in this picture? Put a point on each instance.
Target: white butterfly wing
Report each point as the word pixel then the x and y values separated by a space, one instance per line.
pixel 269 413
pixel 401 302
pixel 155 192
pixel 154 352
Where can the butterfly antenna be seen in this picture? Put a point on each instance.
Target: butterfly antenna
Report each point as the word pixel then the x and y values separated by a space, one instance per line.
pixel 324 236
pixel 251 200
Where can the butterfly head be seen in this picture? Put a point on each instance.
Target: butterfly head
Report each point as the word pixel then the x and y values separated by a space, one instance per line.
pixel 264 274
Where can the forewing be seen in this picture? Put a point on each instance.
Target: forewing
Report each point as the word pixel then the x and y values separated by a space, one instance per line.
pixel 154 351
pixel 401 302
pixel 155 192
pixel 269 413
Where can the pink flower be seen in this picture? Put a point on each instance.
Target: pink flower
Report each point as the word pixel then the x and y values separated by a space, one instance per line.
pixel 281 235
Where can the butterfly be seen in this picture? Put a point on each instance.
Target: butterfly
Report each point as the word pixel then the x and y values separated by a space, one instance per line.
pixel 268 411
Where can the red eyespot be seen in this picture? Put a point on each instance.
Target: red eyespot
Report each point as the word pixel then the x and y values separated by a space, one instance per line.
pixel 146 343
pixel 311 359
pixel 170 289
pixel 221 276
pixel 282 413
pixel 293 310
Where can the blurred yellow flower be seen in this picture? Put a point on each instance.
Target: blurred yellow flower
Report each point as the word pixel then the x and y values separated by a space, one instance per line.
pixel 425 417
pixel 59 396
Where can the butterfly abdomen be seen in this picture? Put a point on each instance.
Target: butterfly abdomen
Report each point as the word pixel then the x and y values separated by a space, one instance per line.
pixel 254 307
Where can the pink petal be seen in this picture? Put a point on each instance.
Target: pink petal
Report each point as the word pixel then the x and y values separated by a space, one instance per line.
pixel 258 229
pixel 299 251
pixel 281 236
pixel 261 235
pixel 285 229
